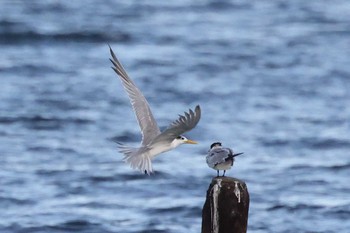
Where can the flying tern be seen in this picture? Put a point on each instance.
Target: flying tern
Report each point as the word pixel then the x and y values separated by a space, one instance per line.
pixel 154 142
pixel 220 158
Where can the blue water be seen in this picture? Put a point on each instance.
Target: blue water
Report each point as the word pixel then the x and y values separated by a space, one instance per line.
pixel 272 78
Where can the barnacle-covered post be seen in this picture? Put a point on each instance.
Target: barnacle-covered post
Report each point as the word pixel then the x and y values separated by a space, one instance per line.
pixel 226 207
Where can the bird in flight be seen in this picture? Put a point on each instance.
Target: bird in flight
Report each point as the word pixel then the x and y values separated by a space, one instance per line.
pixel 220 158
pixel 154 142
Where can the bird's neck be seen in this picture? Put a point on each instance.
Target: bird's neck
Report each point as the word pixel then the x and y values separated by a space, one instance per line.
pixel 175 144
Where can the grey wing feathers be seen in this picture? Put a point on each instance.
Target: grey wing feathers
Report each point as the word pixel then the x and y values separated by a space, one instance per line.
pixel 147 123
pixel 187 122
pixel 217 156
pixel 182 124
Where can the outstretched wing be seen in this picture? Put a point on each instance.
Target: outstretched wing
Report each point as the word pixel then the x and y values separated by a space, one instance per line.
pixel 181 125
pixel 147 123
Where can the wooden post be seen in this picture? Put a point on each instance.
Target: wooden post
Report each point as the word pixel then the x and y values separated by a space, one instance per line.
pixel 226 207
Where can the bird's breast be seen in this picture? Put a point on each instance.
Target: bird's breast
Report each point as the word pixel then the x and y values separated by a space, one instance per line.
pixel 224 166
pixel 158 149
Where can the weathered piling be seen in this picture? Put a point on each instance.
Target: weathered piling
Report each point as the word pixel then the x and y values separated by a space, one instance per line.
pixel 226 207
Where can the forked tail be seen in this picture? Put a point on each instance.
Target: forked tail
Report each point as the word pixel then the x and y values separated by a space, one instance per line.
pixel 136 159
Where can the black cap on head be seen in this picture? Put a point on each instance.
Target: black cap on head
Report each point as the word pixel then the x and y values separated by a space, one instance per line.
pixel 215 144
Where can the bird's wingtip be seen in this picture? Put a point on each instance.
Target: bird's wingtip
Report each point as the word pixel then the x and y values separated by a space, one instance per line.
pixel 197 108
pixel 234 155
pixel 111 51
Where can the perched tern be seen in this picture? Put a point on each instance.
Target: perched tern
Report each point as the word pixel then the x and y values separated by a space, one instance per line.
pixel 220 158
pixel 154 142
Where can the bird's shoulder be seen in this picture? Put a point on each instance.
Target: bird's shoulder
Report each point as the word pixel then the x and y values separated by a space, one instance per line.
pixel 217 155
pixel 221 151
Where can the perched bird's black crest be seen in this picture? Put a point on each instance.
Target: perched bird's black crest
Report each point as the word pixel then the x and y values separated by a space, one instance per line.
pixel 215 144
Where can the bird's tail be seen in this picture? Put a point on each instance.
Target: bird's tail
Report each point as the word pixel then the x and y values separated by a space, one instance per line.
pixel 136 159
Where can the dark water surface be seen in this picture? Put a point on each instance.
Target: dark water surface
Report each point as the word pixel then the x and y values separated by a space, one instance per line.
pixel 273 80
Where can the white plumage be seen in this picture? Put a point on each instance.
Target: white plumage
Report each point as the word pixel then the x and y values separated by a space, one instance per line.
pixel 153 141
pixel 220 158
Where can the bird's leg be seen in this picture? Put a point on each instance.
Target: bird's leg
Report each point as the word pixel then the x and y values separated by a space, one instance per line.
pixel 224 173
pixel 217 173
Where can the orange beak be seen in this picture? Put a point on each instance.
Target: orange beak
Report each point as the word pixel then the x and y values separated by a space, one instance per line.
pixel 191 142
